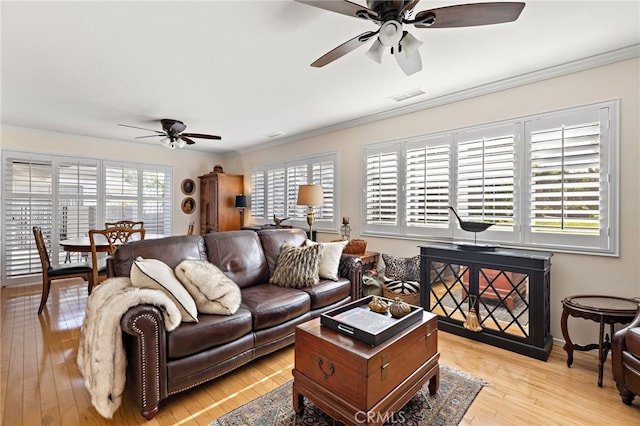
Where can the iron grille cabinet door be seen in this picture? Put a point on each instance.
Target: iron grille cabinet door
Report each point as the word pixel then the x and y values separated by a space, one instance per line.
pixel 507 289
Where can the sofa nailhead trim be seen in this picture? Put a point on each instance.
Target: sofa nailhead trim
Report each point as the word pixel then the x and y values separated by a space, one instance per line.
pixel 144 358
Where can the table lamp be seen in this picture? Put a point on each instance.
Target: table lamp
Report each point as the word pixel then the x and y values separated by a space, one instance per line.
pixel 310 196
pixel 241 203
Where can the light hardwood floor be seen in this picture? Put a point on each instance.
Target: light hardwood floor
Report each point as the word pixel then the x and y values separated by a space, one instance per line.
pixel 41 383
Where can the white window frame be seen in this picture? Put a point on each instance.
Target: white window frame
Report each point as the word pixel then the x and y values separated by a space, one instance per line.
pixel 22 234
pixel 293 172
pixel 520 234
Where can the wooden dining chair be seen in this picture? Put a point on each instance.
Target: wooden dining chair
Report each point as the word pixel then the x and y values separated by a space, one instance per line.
pixel 50 272
pixel 126 224
pixel 110 240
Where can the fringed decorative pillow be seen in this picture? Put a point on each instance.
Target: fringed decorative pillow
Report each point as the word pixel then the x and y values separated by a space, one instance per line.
pixel 297 267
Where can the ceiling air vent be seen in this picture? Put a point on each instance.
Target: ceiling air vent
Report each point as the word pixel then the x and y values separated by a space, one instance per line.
pixel 408 95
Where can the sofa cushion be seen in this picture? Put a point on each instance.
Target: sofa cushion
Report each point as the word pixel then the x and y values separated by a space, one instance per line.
pixel 328 292
pixel 211 289
pixel 401 268
pixel 272 305
pixel 272 240
pixel 170 250
pixel 330 258
pixel 297 267
pixel 210 331
pixel 239 255
pixel 157 275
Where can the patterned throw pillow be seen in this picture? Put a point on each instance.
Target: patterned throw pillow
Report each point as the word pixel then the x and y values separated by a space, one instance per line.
pixel 402 287
pixel 401 268
pixel 297 267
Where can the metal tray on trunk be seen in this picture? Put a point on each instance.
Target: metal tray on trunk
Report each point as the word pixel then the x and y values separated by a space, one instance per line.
pixel 355 319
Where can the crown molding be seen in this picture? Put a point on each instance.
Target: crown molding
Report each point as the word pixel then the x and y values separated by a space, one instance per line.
pixel 607 58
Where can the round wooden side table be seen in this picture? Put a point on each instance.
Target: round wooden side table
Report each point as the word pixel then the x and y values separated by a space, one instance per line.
pixel 601 309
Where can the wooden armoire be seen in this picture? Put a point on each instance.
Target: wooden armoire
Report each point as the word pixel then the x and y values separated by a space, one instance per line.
pixel 217 202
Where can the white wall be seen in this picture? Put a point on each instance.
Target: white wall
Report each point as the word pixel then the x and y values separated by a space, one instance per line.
pixel 186 163
pixel 571 274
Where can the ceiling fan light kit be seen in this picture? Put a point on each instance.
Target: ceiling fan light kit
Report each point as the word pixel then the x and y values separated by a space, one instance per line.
pixel 391 15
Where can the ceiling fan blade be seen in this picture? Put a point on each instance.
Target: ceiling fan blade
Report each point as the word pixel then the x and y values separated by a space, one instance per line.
pixel 151 136
pixel 411 63
pixel 142 128
pixel 411 5
pixel 344 7
pixel 343 49
pixel 187 140
pixel 200 135
pixel 471 15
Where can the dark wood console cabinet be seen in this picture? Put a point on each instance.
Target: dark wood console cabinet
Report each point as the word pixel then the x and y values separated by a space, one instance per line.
pixel 217 202
pixel 508 289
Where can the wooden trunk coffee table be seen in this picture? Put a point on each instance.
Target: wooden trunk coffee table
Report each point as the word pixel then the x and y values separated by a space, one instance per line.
pixel 356 383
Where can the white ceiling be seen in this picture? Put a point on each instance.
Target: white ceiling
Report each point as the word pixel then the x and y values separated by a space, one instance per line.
pixel 240 69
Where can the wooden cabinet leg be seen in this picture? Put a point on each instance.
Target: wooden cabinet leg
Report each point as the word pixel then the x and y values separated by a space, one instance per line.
pixel 298 401
pixel 434 382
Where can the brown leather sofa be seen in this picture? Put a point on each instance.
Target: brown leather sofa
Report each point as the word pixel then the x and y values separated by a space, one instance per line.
pixel 161 364
pixel 625 358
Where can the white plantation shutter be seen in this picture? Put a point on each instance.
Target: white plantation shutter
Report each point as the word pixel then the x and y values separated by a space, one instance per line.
pixel 485 176
pixel 77 200
pixel 569 178
pixel 274 191
pixel 323 173
pixel 546 181
pixel 296 175
pixel 381 188
pixel 27 202
pixel 258 194
pixel 428 185
pixel 121 192
pixel 67 196
pixel 156 200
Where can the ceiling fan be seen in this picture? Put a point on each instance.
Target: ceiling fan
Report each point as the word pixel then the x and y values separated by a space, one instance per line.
pixel 391 15
pixel 172 133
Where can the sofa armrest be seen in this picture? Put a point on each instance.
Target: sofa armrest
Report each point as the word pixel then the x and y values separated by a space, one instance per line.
pixel 618 345
pixel 351 268
pixel 144 341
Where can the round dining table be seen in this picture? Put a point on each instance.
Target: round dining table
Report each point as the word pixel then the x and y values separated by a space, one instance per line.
pixel 83 244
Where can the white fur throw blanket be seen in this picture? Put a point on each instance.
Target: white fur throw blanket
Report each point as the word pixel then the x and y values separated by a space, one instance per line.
pixel 211 289
pixel 101 356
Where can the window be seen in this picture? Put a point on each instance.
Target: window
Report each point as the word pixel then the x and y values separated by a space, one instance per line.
pixel 544 181
pixel 67 196
pixel 274 191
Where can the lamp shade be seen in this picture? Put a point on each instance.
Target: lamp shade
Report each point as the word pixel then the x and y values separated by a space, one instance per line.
pixel 241 201
pixel 310 195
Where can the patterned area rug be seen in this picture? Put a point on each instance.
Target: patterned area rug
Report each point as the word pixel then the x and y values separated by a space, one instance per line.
pixel 447 407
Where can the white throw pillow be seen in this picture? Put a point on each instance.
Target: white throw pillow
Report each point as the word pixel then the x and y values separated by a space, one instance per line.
pixel 212 290
pixel 157 275
pixel 330 258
